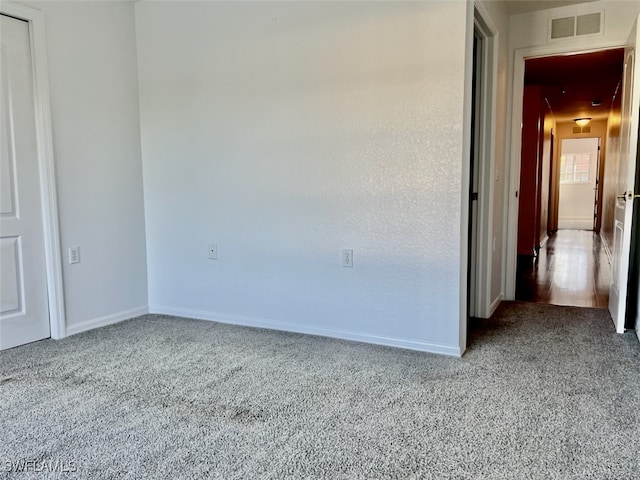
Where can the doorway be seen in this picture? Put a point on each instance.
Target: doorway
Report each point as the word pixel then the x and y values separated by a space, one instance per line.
pixel 480 150
pixel 560 259
pixel 577 203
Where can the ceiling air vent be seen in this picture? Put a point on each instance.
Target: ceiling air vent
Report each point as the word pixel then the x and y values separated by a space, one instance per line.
pixel 563 27
pixel 576 26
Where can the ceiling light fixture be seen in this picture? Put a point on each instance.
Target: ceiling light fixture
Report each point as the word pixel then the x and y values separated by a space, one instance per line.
pixel 582 122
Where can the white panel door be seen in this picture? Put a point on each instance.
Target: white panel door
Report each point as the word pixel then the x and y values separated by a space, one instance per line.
pixel 24 312
pixel 626 179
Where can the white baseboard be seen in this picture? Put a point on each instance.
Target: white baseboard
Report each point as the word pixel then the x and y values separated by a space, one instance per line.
pixel 575 223
pixel 495 304
pixel 544 240
pixel 307 329
pixel 106 320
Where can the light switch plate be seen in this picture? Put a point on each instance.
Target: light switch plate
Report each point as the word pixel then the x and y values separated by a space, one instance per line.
pixel 347 258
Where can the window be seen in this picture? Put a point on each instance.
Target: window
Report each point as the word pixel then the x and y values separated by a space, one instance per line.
pixel 574 168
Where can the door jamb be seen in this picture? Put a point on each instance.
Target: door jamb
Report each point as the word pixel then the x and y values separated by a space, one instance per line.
pixel 512 167
pixel 44 138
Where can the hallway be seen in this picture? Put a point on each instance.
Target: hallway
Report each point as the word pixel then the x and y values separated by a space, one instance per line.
pixel 572 268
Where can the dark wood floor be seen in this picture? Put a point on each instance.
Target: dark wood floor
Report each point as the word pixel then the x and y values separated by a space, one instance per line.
pixel 572 268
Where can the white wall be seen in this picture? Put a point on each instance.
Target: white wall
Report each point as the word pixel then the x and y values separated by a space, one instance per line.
pixel 94 103
pixel 288 131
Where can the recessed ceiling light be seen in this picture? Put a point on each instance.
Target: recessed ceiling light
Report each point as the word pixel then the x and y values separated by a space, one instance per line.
pixel 596 103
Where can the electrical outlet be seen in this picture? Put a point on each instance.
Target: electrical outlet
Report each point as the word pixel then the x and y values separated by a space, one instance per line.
pixel 347 258
pixel 74 255
pixel 213 251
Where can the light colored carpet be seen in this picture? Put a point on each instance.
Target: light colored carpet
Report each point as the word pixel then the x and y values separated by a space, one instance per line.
pixel 543 392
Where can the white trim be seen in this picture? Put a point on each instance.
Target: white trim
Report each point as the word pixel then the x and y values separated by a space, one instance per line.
pixel 106 320
pixel 494 305
pixel 246 321
pixel 53 259
pixel 514 142
pixel 575 223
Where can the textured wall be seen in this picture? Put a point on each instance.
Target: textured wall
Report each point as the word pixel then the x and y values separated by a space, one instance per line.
pixel 94 108
pixel 285 132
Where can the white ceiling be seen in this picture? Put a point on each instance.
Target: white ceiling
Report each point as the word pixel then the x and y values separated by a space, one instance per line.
pixel 515 7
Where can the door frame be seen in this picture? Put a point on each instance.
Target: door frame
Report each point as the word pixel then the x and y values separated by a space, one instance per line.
pixel 596 189
pixel 486 163
pixel 475 163
pixel 478 18
pixel 554 179
pixel 514 144
pixel 44 138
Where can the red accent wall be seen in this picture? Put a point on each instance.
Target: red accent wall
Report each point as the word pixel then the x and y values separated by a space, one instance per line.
pixel 534 171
